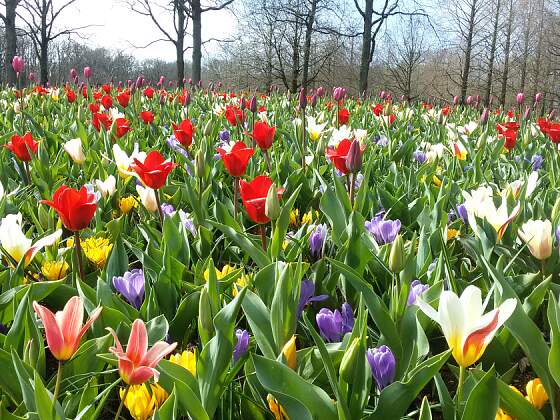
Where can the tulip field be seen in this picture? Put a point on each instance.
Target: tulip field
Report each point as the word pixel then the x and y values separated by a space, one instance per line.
pixel 200 253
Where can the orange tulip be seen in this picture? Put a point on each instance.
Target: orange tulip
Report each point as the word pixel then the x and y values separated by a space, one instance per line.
pixel 137 364
pixel 64 329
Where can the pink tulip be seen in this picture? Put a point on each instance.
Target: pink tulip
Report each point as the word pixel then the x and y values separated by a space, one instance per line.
pixel 64 329
pixel 520 98
pixel 18 64
pixel 137 364
pixel 538 97
pixel 455 100
pixel 73 73
pixel 31 77
pixel 469 100
pixel 339 93
pixel 320 91
pixel 87 72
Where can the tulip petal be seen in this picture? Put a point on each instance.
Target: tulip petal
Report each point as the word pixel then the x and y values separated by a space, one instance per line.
pixel 141 374
pixel 118 350
pixel 55 339
pixel 158 351
pixel 90 321
pixel 40 244
pixel 137 342
pixel 70 319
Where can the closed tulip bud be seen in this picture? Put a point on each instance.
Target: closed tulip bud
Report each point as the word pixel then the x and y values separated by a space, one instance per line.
pixel 187 98
pixel 147 197
pixel 289 352
pixel 382 94
pixel 31 77
pixel 31 352
pixel 190 82
pixel 87 72
pixel 469 100
pixel 139 82
pixel 527 113
pixel 537 234
pixel 243 103
pixel 320 91
pixel 199 84
pixel 484 116
pixel 314 100
pixel 349 360
pixel 162 99
pixel 253 104
pixel 397 258
pixel 520 98
pixel 455 100
pixel 536 393
pixel 75 151
pixel 272 205
pixel 199 164
pixel 302 100
pixel 354 157
pixel 73 73
pixel 208 128
pixel 205 324
pixel 538 97
pixel 338 93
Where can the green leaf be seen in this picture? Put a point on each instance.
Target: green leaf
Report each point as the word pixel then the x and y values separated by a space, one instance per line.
pixel 483 401
pixel 258 316
pixel 425 412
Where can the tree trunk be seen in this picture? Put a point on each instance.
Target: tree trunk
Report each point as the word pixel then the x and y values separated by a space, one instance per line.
pixel 307 47
pixel 526 35
pixel 197 41
pixel 179 45
pixel 506 53
pixel 538 63
pixel 295 60
pixel 468 51
pixel 366 48
pixel 11 40
pixel 488 91
pixel 44 62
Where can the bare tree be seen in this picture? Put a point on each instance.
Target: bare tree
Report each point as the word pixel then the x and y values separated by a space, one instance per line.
pixel 492 57
pixel 9 19
pixel 507 51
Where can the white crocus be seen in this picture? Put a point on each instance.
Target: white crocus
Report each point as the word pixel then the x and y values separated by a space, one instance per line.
pixel 537 234
pixel 147 197
pixel 75 150
pixel 16 244
pixel 467 329
pixel 108 187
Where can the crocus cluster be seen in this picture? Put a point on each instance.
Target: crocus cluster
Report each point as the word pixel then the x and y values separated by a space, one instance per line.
pixel 333 325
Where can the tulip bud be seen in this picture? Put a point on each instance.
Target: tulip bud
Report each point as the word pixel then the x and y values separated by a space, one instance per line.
pixel 538 97
pixel 320 91
pixel 205 324
pixel 348 362
pixel 243 103
pixel 527 113
pixel 302 99
pixel 253 104
pixel 147 197
pixel 469 100
pixel 520 98
pixel 397 258
pixel 75 151
pixel 314 100
pixel 87 72
pixel 552 114
pixel 187 98
pixel 18 64
pixel 190 82
pixel 31 77
pixel 162 99
pixel 272 204
pixel 455 100
pixel 31 353
pixel 73 73
pixel 382 94
pixel 139 82
pixel 199 164
pixel 289 352
pixel 484 116
pixel 354 157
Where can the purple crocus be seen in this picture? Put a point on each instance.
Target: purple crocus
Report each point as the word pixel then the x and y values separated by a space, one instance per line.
pixel 537 161
pixel 383 231
pixel 416 290
pixel 462 213
pixel 242 344
pixel 558 234
pixel 333 325
pixel 187 222
pixel 382 363
pixel 317 240
pixel 131 286
pixel 167 209
pixel 224 136
pixel 307 295
pixel 419 156
pixel 175 145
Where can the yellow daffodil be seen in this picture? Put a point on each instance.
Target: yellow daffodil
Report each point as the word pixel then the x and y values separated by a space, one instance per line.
pixel 536 394
pixel 308 217
pixel 97 250
pixel 226 269
pixel 140 403
pixel 466 328
pixel 502 415
pixel 54 270
pixel 289 352
pixel 187 359
pixel 276 409
pixel 294 215
pixel 126 204
pixel 240 283
pixel 452 233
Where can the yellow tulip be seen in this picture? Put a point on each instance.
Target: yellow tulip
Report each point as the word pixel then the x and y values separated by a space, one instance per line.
pixel 536 394
pixel 187 359
pixel 277 409
pixel 140 403
pixel 289 352
pixel 502 415
pixel 220 274
pixel 97 250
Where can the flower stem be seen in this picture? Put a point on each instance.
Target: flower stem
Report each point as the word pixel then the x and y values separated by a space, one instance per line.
pixel 263 236
pixel 267 159
pixel 156 193
pixel 27 173
pixel 303 139
pixel 78 248
pixel 123 398
pixel 235 196
pixel 58 379
pixel 460 387
pixel 352 183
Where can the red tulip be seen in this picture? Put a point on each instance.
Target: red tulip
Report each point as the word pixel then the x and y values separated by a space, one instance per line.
pixel 236 159
pixel 154 170
pixel 253 195
pixel 147 117
pixel 64 329
pixel 106 88
pixel 263 135
pixel 138 364
pixel 551 129
pixel 123 99
pixel 339 155
pixel 75 208
pixel 100 118
pixel 107 102
pixel 377 110
pixel 22 146
pixel 149 92
pixel 94 107
pixel 122 126
pixel 70 95
pixel 343 116
pixel 184 132
pixel 234 115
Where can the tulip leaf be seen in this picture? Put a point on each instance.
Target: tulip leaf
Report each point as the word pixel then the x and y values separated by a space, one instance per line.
pixel 554 354
pixel 258 317
pixel 397 397
pixel 425 412
pixel 483 400
pixel 282 223
pixel 300 399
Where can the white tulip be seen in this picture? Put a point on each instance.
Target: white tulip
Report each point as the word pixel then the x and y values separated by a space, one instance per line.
pixel 108 187
pixel 147 197
pixel 537 234
pixel 75 151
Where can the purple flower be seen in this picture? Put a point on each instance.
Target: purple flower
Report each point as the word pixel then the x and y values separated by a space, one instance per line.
pixel 131 286
pixel 187 222
pixel 462 213
pixel 382 141
pixel 419 156
pixel 383 231
pixel 537 161
pixel 224 136
pixel 317 240
pixel 307 295
pixel 382 363
pixel 558 234
pixel 175 145
pixel 416 290
pixel 167 209
pixel 333 325
pixel 242 344
pixel 358 181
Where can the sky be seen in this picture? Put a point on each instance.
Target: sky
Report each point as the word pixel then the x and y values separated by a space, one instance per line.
pixel 121 29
